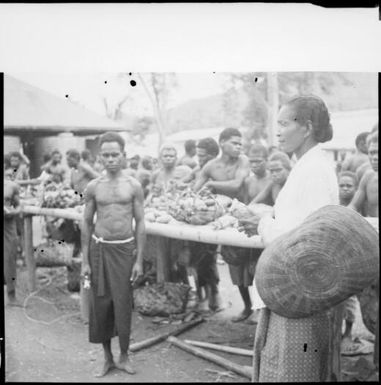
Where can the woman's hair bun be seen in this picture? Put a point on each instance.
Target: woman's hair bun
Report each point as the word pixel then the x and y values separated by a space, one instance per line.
pixel 312 109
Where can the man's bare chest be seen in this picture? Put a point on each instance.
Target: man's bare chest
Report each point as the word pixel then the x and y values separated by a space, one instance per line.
pixel 118 193
pixel 372 190
pixel 223 172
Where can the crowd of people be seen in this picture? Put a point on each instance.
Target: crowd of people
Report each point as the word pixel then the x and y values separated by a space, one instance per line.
pixel 296 178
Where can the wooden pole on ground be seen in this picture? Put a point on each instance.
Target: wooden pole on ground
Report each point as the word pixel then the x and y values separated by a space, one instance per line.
pixel 163 336
pixel 29 252
pixel 221 348
pixel 244 371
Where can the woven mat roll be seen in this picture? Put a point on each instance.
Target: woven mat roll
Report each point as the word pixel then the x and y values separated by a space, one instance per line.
pixel 332 255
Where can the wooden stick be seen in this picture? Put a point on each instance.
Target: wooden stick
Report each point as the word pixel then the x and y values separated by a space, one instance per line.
pixel 29 253
pixel 221 348
pixel 244 371
pixel 163 336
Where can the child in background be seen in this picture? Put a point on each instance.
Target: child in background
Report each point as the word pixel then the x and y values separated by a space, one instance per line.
pixel 347 188
pixel 279 167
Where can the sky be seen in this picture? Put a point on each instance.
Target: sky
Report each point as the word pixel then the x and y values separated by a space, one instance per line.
pixel 89 89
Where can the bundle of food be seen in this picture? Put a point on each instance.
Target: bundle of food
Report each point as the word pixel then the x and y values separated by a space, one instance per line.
pixel 161 299
pixel 224 222
pixel 199 208
pixel 154 215
pixel 60 197
pixel 241 211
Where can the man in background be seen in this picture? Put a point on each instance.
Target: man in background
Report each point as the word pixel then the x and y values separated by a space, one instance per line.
pixel 260 177
pixel 366 197
pixel 206 150
pixel 144 173
pixel 226 175
pixel 81 172
pixel 11 211
pixel 18 166
pixel 190 152
pixel 168 172
pixel 203 257
pixel 353 162
pixel 279 166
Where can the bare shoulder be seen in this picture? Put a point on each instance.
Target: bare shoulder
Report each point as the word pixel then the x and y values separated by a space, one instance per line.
pixel 211 164
pixel 243 160
pixel 92 185
pixel 368 176
pixel 131 180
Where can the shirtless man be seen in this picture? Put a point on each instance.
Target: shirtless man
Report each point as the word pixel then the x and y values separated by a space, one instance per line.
pixel 260 178
pixel 279 167
pixel 190 151
pixel 353 162
pixel 81 173
pixel 112 251
pixel 19 166
pixel 347 188
pixel 226 175
pixel 54 166
pixel 169 172
pixel 161 181
pixel 367 194
pixel 206 150
pixel 144 172
pixel 11 210
pixel 204 256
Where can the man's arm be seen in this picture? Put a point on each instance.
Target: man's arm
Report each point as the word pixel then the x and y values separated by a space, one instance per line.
pixel 88 225
pixel 189 178
pixel 89 171
pixel 347 164
pixel 232 187
pixel 263 196
pixel 359 198
pixel 140 230
pixel 202 178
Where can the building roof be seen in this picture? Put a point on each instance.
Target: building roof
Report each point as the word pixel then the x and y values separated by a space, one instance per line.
pixel 28 108
pixel 347 125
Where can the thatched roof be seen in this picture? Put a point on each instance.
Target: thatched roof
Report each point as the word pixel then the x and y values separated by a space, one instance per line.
pixel 30 109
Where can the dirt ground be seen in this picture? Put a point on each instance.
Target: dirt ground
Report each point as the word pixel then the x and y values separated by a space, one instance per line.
pixel 42 347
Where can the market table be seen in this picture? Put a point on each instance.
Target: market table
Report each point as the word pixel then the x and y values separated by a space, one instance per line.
pixel 175 229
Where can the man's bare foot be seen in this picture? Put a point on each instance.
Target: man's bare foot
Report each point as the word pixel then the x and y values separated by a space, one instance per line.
pixel 242 316
pixel 108 365
pixel 125 364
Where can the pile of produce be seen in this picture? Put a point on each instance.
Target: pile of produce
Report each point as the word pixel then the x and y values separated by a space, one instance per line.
pixel 199 208
pixel 185 205
pixel 154 215
pixel 31 195
pixel 161 299
pixel 60 196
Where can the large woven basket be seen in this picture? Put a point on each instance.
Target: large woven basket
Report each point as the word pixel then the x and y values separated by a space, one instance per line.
pixel 332 255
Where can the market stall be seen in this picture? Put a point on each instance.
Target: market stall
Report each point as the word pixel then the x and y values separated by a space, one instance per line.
pixel 173 229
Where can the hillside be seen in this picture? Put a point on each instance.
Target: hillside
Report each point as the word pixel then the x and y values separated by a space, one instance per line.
pixel 341 91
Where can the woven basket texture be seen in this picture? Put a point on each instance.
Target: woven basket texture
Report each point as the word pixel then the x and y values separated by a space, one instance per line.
pixel 332 255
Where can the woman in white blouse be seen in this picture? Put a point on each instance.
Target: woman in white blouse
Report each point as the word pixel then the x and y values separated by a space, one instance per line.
pixel 295 350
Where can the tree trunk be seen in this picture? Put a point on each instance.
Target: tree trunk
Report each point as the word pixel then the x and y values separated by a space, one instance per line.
pixel 158 116
pixel 273 100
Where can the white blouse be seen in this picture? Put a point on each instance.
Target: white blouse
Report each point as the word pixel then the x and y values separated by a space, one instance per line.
pixel 311 184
